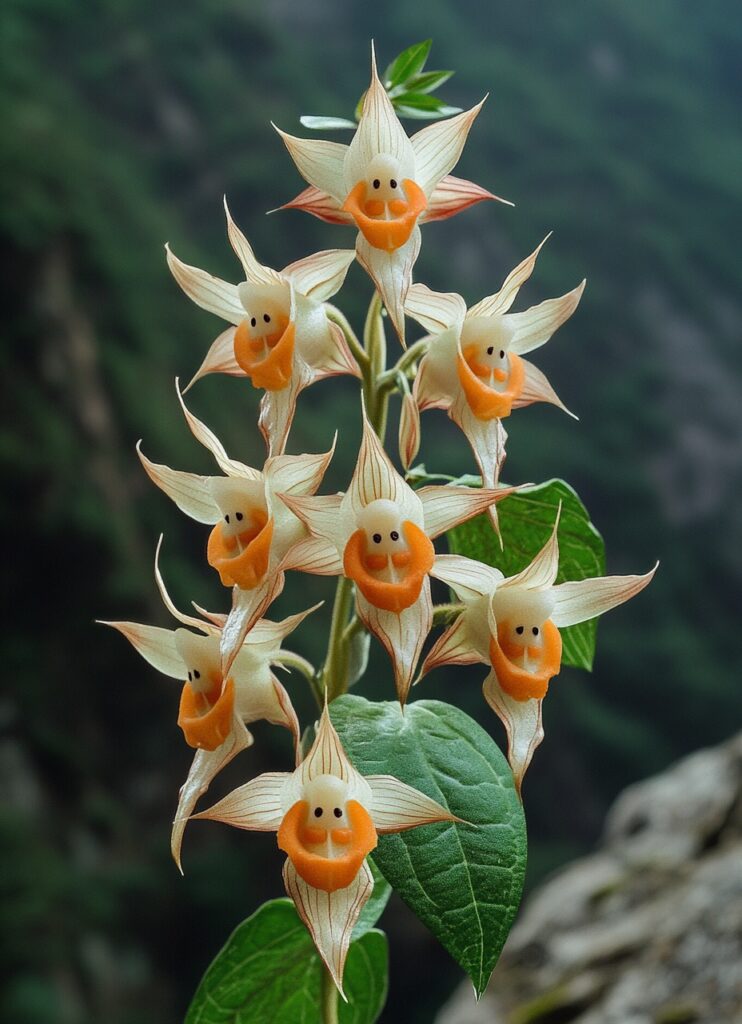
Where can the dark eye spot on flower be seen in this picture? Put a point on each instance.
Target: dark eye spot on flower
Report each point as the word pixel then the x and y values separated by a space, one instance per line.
pixel 190 677
pixel 502 353
pixel 266 318
pixel 253 321
pixel 393 182
pixel 318 812
pixel 519 630
pixel 377 183
pixel 196 674
pixel 337 812
pixel 490 350
pixel 394 535
pixel 377 538
pixel 535 630
pixel 240 517
pixel 226 519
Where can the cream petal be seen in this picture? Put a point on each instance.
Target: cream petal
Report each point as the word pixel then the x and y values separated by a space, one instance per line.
pixel 298 474
pixel 453 647
pixel 272 634
pixel 467 577
pixel 403 634
pixel 216 618
pixel 255 272
pixel 219 359
pixel 258 806
pixel 287 717
pixel 211 442
pixel 523 726
pixel 542 571
pixel 429 391
pixel 335 357
pixel 375 477
pixel 535 326
pixel 409 431
pixel 156 646
pixel 210 293
pixel 396 806
pixel 330 916
pixel 453 195
pixel 447 506
pixel 315 555
pixel 187 620
pixel 189 491
pixel 536 388
pixel 438 147
pixel 319 513
pixel 205 767
pixel 487 439
pixel 391 272
pixel 580 600
pixel 327 756
pixel 277 410
pixel 321 275
pixel 500 302
pixel 319 162
pixel 319 204
pixel 435 311
pixel 247 608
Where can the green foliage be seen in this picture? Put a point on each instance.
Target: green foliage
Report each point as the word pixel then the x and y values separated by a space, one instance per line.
pixel 270 973
pixel 376 903
pixel 526 521
pixel 464 881
pixel 407 64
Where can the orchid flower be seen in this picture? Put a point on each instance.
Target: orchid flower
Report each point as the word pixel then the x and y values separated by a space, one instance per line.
pixel 281 337
pixel 253 529
pixel 379 534
pixel 473 366
pixel 513 626
pixel 214 709
pixel 327 817
pixel 386 184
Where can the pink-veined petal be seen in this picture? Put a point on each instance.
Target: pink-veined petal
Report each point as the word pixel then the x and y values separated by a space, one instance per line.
pixel 210 293
pixel 447 506
pixel 501 301
pixel 327 756
pixel 319 162
pixel 453 647
pixel 580 600
pixel 189 491
pixel 438 147
pixel 396 806
pixel 219 359
pixel 319 204
pixel 258 806
pixel 375 477
pixel 187 620
pixel 320 275
pixel 453 195
pixel 428 390
pixel 277 410
pixel 487 439
pixel 467 577
pixel 523 726
pixel 435 311
pixel 391 272
pixel 337 357
pixel 211 442
pixel 288 718
pixel 315 555
pixel 403 634
pixel 542 570
pixel 318 512
pixel 533 327
pixel 330 916
pixel 255 272
pixel 270 633
pixel 409 430
pixel 205 767
pixel 156 646
pixel 536 388
pixel 247 608
pixel 298 474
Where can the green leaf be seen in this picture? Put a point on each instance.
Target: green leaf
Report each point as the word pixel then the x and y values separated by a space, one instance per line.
pixel 270 973
pixel 320 123
pixel 429 81
pixel 464 881
pixel 526 521
pixel 420 105
pixel 376 903
pixel 409 62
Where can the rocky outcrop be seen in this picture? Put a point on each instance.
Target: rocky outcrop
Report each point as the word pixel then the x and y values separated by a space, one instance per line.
pixel 646 931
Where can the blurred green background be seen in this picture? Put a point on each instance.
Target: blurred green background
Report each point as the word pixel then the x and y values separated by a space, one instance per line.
pixel 614 123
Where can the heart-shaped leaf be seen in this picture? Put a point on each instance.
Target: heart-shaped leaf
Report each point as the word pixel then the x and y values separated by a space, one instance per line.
pixel 270 973
pixel 464 881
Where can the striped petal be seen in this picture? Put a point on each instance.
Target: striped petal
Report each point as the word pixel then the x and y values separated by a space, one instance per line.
pixel 395 806
pixel 536 325
pixel 298 474
pixel 315 555
pixel 258 806
pixel 156 646
pixel 446 507
pixel 435 311
pixel 409 431
pixel 319 204
pixel 542 571
pixel 536 388
pixel 580 600
pixel 210 293
pixel 247 608
pixel 319 162
pixel 500 302
pixel 320 275
pixel 319 513
pixel 391 272
pixel 523 726
pixel 375 477
pixel 403 634
pixel 254 272
pixel 219 359
pixel 467 577
pixel 190 492
pixel 277 410
pixel 438 147
pixel 453 195
pixel 454 647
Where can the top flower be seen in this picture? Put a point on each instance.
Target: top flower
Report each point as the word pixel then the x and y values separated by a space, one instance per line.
pixel 385 183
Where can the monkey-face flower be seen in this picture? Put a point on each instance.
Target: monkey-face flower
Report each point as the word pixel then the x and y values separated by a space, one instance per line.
pixel 214 709
pixel 513 626
pixel 386 184
pixel 281 339
pixel 379 534
pixel 253 529
pixel 474 366
pixel 327 817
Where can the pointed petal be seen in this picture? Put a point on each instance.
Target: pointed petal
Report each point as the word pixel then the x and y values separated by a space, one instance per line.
pixel 435 311
pixel 257 806
pixel 446 507
pixel 210 293
pixel 438 147
pixel 156 645
pixel 542 571
pixel 247 608
pixel 500 302
pixel 298 474
pixel 319 162
pixel 288 717
pixel 487 439
pixel 327 756
pixel 315 555
pixel 454 647
pixel 330 916
pixel 430 390
pixel 580 600
pixel 219 359
pixel 537 388
pixel 403 634
pixel 375 477
pixel 189 491
pixel 318 512
pixel 205 767
pixel 277 410
pixel 319 204
pixel 453 195
pixel 255 272
pixel 397 806
pixel 468 578
pixel 409 431
pixel 336 358
pixel 321 275
pixel 274 633
pixel 523 725
pixel 391 272
pixel 536 325
pixel 187 620
pixel 212 443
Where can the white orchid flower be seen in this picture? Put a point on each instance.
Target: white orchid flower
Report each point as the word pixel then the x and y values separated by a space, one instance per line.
pixel 214 709
pixel 281 337
pixel 474 366
pixel 327 817
pixel 253 529
pixel 513 626
pixel 379 534
pixel 386 184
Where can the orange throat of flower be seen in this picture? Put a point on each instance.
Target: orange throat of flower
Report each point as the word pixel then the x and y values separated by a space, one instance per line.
pixel 267 359
pixel 485 401
pixel 518 682
pixel 386 225
pixel 206 716
pixel 392 582
pixel 327 859
pixel 242 560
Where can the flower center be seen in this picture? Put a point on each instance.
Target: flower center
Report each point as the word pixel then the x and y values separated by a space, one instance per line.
pixel 491 376
pixel 239 545
pixel 384 205
pixel 206 702
pixel 526 651
pixel 264 340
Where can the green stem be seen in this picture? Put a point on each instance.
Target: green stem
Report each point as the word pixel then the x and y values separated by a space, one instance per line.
pixel 339 318
pixel 335 672
pixel 329 998
pixel 306 668
pixel 445 613
pixel 404 363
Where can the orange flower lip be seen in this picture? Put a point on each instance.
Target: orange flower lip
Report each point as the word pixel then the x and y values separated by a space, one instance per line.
pixel 246 568
pixel 206 719
pixel 517 682
pixel 485 402
pixel 267 359
pixel 369 215
pixel 417 561
pixel 328 873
